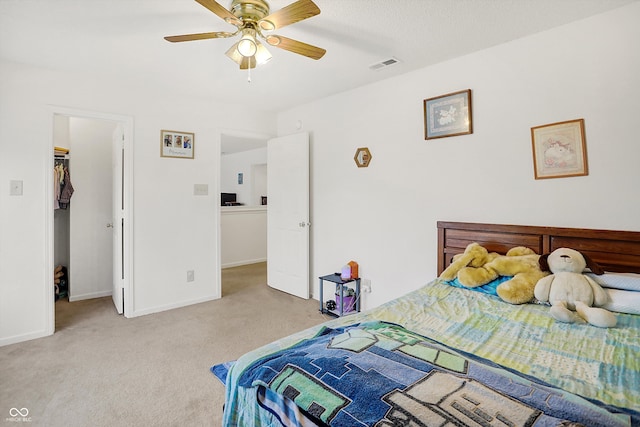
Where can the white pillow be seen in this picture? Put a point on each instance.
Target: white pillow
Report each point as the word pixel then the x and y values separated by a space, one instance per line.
pixel 623 301
pixel 627 281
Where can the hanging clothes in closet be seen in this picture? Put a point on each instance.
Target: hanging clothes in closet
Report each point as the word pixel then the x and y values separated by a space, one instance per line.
pixel 63 189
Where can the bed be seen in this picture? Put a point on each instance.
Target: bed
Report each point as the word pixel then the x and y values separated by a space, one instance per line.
pixel 447 356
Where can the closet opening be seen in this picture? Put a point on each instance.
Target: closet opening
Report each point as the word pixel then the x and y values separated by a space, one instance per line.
pixel 62 192
pixel 90 190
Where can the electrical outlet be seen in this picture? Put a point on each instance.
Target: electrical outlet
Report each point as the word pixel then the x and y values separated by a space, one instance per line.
pixel 365 284
pixel 190 276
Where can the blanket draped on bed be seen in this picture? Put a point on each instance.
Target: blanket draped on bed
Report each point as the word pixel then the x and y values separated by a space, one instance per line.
pixel 379 373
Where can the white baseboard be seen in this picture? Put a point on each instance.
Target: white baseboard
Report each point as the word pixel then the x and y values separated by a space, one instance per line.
pixel 166 307
pixel 243 262
pixel 90 295
pixel 24 337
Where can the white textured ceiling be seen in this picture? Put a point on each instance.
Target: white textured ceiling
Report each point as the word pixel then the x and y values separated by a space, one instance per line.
pixel 124 39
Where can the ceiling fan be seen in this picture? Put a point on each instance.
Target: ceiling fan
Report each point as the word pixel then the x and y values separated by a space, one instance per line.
pixel 254 20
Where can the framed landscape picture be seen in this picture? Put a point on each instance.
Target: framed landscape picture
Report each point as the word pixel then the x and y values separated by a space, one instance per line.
pixel 448 115
pixel 559 150
pixel 176 144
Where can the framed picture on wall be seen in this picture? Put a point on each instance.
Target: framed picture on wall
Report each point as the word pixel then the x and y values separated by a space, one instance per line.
pixel 559 150
pixel 176 144
pixel 448 115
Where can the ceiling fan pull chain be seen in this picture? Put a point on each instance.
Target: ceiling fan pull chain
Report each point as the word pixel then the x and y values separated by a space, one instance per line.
pixel 249 75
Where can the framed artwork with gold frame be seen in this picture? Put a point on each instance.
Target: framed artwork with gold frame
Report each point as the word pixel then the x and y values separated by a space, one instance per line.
pixel 448 115
pixel 559 150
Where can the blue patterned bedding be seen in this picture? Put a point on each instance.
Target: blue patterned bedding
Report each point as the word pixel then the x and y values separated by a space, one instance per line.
pixel 516 358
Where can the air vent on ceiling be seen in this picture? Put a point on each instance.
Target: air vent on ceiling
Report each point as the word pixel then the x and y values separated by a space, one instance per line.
pixel 383 64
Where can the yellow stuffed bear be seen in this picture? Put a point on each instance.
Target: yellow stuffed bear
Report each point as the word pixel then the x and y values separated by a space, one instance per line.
pixel 474 256
pixel 477 267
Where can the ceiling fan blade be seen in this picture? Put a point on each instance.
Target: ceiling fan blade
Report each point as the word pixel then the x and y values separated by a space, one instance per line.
pixel 223 13
pixel 199 36
pixel 296 46
pixel 295 12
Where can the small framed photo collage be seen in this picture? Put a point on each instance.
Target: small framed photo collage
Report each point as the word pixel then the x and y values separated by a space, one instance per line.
pixel 176 144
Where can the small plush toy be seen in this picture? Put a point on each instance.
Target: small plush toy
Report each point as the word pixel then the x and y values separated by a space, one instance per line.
pixel 477 267
pixel 574 297
pixel 474 256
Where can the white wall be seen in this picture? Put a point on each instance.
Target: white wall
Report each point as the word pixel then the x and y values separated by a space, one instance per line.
pixel 384 216
pixel 174 231
pixel 91 208
pixel 243 235
pixel 259 175
pixel 242 162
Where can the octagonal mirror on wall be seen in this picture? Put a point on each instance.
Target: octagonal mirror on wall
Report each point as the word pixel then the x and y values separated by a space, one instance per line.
pixel 362 157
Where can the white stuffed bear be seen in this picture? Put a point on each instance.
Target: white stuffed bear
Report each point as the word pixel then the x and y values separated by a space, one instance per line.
pixel 567 289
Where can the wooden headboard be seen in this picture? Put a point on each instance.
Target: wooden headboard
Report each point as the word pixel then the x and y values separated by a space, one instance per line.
pixel 613 250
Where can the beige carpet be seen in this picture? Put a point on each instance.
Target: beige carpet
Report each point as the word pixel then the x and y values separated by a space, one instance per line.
pixel 101 369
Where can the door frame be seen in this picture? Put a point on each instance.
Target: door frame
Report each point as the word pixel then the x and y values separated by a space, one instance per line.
pixel 236 134
pixel 127 126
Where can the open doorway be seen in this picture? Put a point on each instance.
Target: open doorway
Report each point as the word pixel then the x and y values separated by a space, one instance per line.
pixel 243 208
pixel 90 235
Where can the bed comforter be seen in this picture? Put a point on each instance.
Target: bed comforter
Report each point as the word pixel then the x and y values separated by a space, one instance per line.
pixel 590 375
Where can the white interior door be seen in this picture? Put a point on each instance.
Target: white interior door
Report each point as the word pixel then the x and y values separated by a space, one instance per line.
pixel 117 162
pixel 288 214
pixel 90 209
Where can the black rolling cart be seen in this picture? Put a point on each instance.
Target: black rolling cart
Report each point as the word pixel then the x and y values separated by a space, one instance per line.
pixel 337 280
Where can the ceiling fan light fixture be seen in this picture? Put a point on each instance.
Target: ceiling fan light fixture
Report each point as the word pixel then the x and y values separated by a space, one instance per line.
pixel 233 54
pixel 262 55
pixel 251 18
pixel 248 63
pixel 248 45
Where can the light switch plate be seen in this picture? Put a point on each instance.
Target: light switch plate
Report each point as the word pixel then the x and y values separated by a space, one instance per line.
pixel 200 189
pixel 15 188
